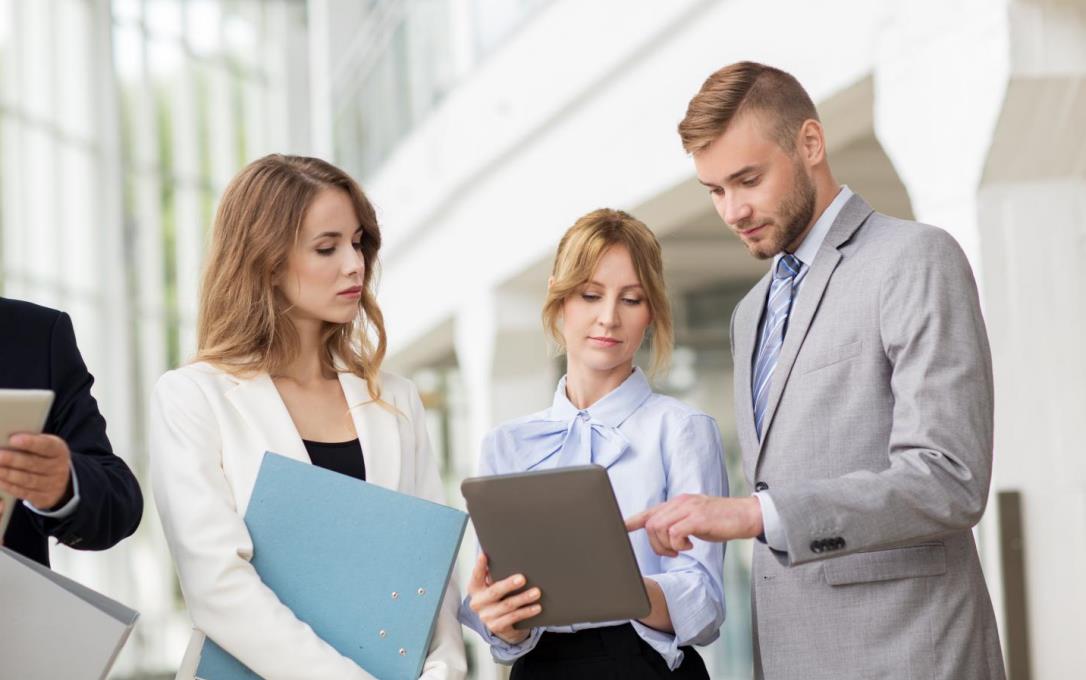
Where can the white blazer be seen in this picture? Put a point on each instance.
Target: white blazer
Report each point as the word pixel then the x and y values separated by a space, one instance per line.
pixel 209 431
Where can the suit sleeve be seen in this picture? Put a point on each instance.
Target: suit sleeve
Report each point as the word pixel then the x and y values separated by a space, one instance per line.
pixel 110 503
pixel 446 659
pixel 211 546
pixel 940 444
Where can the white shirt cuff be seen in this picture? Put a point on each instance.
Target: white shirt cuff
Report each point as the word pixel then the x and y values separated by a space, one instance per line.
pixel 771 523
pixel 67 509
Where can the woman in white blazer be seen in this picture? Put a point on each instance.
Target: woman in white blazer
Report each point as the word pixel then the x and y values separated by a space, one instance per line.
pixel 290 343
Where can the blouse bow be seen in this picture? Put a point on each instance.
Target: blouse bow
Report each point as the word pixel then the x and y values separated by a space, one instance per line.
pixel 581 441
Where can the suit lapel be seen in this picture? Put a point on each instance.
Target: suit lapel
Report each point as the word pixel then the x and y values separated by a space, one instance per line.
pixel 378 431
pixel 259 403
pixel 852 215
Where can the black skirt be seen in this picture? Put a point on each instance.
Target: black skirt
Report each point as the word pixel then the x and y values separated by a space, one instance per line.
pixel 615 652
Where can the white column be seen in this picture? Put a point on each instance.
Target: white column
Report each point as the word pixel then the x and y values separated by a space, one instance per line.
pixel 506 372
pixel 1035 250
pixel 1032 208
pixel 474 335
pixel 940 77
pixel 320 79
pixel 997 157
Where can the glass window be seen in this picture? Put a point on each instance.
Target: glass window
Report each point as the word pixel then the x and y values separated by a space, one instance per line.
pixel 401 67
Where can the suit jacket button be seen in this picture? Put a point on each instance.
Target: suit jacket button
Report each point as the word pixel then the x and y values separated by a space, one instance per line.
pixel 761 486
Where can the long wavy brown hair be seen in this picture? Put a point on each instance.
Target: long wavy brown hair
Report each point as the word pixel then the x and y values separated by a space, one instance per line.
pixel 243 328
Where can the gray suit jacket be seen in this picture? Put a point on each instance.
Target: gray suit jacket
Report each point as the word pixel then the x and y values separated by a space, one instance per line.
pixel 877 454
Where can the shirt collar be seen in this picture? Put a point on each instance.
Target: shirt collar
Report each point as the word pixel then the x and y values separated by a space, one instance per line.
pixel 809 248
pixel 613 409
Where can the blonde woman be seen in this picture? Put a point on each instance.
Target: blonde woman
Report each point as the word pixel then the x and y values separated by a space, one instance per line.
pixel 290 347
pixel 606 291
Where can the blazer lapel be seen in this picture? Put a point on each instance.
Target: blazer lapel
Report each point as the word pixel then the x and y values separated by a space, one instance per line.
pixel 378 431
pixel 260 406
pixel 852 215
pixel 258 401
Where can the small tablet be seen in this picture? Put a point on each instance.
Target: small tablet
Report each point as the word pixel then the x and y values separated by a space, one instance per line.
pixel 563 530
pixel 20 411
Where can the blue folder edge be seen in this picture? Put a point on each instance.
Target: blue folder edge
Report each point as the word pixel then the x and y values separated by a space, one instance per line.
pixel 218 664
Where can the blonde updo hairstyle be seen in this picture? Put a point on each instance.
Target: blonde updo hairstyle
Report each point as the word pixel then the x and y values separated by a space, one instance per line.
pixel 579 253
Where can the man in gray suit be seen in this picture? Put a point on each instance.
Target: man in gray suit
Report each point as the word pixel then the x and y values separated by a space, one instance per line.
pixel 863 392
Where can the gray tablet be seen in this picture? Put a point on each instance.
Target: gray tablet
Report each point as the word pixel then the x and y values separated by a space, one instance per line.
pixel 20 411
pixel 563 530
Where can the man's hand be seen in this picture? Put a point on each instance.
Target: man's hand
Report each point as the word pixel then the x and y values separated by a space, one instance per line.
pixel 670 525
pixel 497 609
pixel 37 469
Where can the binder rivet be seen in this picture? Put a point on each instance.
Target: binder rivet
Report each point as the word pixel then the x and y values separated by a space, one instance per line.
pixel 395 595
pixel 382 633
pixel 422 591
pixel 403 652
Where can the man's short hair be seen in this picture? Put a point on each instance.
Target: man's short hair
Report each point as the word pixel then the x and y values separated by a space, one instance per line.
pixel 741 88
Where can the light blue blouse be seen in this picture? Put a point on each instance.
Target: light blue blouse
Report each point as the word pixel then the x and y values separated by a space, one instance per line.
pixel 654 448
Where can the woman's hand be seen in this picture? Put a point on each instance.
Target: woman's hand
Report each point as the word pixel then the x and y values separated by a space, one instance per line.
pixel 496 608
pixel 659 617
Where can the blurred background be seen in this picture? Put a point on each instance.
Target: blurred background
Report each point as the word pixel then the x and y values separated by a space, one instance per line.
pixel 482 129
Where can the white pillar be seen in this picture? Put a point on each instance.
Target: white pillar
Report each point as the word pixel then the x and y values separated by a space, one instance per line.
pixel 1035 247
pixel 1032 207
pixel 320 78
pixel 506 372
pixel 940 78
pixel 996 157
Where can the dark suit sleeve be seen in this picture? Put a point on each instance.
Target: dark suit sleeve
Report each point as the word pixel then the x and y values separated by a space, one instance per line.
pixel 110 504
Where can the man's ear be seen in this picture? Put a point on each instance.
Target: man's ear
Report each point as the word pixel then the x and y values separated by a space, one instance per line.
pixel 812 142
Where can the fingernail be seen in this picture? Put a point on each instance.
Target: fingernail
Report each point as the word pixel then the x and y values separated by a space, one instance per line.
pixel 535 592
pixel 518 580
pixel 536 608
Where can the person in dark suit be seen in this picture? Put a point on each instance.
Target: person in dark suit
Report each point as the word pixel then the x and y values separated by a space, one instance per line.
pixel 69 482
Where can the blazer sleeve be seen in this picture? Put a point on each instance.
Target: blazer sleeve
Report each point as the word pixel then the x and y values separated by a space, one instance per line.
pixel 446 659
pixel 110 503
pixel 940 444
pixel 211 546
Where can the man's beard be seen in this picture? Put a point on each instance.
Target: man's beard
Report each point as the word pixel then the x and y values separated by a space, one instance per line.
pixel 795 213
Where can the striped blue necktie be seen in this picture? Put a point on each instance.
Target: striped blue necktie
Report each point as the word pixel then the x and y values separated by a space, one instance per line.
pixel 781 293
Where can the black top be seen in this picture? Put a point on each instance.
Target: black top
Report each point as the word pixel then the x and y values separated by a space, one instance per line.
pixel 342 457
pixel 38 351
